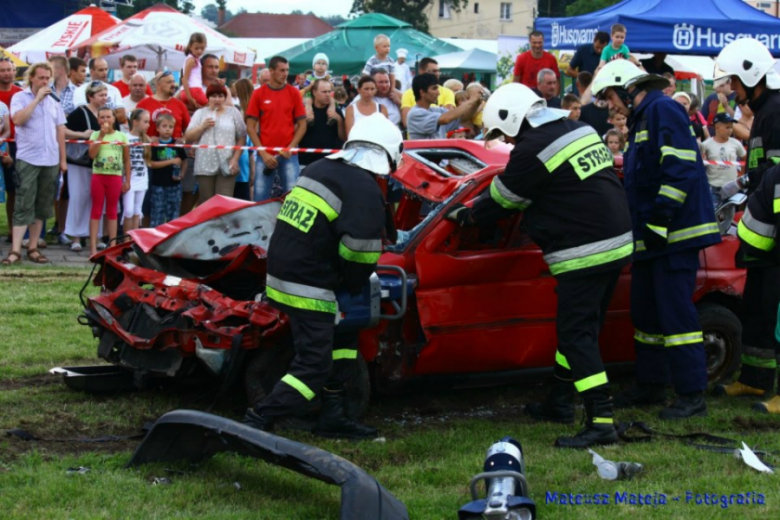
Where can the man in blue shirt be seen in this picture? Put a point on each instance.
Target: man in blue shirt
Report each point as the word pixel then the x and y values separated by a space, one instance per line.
pixel 587 57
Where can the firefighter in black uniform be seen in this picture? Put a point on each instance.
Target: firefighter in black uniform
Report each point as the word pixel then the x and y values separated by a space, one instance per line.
pixel 560 175
pixel 328 239
pixel 750 66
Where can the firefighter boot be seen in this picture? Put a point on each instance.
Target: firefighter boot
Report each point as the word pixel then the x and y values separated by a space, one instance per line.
pixel 334 423
pixel 772 406
pixel 258 421
pixel 685 406
pixel 599 425
pixel 641 394
pixel 736 389
pixel 558 406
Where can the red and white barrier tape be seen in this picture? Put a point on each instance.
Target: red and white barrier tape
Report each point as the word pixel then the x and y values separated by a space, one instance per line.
pixel 725 163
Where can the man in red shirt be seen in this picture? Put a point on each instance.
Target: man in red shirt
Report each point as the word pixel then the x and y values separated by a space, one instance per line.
pixel 163 101
pixel 7 91
pixel 129 65
pixel 529 63
pixel 276 117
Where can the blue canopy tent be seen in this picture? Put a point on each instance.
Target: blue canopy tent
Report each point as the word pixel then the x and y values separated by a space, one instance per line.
pixel 703 27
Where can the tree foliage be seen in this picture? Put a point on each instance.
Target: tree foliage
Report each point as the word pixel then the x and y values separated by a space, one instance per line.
pixel 186 6
pixel 409 11
pixel 332 20
pixel 124 11
pixel 210 12
pixel 588 6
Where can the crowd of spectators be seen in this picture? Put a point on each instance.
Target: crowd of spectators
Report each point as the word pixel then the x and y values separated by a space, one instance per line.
pixel 311 109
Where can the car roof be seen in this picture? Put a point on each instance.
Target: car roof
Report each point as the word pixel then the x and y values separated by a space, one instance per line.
pixel 422 175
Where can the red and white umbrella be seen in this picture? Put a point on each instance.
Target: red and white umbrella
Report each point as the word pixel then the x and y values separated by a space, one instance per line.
pixel 61 36
pixel 157 36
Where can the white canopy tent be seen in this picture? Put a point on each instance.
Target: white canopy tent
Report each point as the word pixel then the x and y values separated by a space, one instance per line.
pixel 157 36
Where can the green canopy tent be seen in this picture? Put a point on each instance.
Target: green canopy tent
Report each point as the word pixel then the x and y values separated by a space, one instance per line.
pixel 351 44
pixel 474 61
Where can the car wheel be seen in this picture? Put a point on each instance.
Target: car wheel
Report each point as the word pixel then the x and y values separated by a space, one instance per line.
pixel 722 340
pixel 267 366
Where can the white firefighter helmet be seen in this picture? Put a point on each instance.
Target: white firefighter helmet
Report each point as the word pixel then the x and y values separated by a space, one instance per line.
pixel 510 104
pixel 374 144
pixel 624 74
pixel 749 60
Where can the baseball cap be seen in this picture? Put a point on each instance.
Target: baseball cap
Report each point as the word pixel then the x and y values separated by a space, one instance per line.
pixel 723 117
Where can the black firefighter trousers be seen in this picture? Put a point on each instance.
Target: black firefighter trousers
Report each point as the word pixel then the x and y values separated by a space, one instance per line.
pixel 322 359
pixel 582 307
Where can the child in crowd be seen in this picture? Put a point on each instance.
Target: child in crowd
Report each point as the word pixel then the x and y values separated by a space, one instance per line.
pixel 382 59
pixel 194 96
pixel 616 141
pixel 617 49
pixel 573 104
pixel 108 163
pixel 618 121
pixel 140 156
pixel 168 167
pixel 342 100
pixel 320 64
pixel 246 173
pixel 721 147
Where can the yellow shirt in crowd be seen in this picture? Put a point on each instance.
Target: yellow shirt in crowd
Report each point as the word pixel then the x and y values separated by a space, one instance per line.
pixel 446 97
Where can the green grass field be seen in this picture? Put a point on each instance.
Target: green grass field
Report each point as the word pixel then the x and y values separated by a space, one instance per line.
pixel 435 442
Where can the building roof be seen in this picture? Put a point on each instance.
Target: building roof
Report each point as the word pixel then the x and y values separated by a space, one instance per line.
pixel 266 25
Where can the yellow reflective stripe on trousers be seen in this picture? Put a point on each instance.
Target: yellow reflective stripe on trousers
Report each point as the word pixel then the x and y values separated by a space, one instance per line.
pixel 776 206
pixel 364 251
pixel 673 193
pixel 603 420
pixel 566 146
pixel 648 339
pixel 344 353
pixel 590 382
pixel 314 200
pixel 505 198
pixel 685 234
pixel 300 296
pixel 685 155
pixel 298 385
pixel 756 233
pixel 688 338
pixel 561 360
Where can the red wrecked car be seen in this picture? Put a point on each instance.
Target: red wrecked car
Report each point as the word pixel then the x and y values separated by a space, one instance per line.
pixel 450 306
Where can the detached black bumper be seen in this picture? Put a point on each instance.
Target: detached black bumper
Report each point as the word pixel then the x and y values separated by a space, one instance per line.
pixel 196 436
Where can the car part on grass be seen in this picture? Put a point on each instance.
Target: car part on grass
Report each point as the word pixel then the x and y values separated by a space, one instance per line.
pixel 609 470
pixel 505 484
pixel 752 460
pixel 196 436
pixel 98 379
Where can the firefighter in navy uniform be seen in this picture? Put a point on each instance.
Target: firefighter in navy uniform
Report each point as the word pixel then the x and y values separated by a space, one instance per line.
pixel 327 239
pixel 560 175
pixel 673 219
pixel 750 66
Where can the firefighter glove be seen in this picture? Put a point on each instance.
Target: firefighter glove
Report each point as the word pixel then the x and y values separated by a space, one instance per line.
pixel 656 231
pixel 460 214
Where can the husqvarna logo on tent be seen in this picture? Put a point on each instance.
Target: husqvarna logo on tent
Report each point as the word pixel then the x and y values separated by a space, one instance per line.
pixel 555 36
pixel 683 37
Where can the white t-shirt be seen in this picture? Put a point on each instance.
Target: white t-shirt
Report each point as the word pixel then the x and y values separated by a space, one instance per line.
pixel 393 112
pixel 404 75
pixel 139 173
pixel 731 150
pixel 114 96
